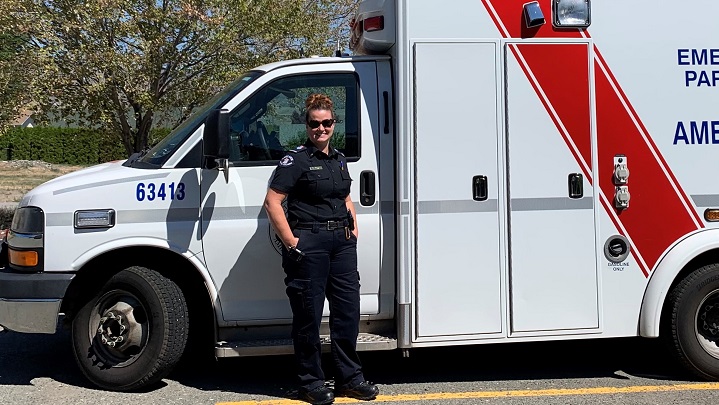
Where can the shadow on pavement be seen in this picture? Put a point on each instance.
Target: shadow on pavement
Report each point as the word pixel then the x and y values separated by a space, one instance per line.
pixel 25 357
pixel 607 358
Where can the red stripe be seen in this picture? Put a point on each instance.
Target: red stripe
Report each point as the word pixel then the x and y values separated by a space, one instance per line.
pixel 566 85
pixel 659 214
pixel 509 15
pixel 649 139
pixel 656 217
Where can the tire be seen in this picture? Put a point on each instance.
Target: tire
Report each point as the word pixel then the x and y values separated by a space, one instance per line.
pixel 693 322
pixel 133 332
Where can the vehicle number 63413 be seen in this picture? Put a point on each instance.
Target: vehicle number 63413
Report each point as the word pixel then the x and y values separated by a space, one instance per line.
pixel 162 191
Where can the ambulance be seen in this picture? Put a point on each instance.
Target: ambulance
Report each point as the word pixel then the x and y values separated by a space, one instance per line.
pixel 522 170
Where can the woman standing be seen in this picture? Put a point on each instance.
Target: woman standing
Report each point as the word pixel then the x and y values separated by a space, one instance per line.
pixel 320 256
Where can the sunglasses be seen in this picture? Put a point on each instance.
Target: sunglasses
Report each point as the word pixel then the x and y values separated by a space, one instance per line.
pixel 325 123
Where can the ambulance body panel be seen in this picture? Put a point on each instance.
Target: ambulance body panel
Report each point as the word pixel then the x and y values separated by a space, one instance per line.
pixel 514 182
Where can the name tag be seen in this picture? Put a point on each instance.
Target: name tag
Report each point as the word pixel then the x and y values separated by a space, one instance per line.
pixel 316 167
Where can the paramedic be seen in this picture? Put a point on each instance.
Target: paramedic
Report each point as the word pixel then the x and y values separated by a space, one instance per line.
pixel 320 256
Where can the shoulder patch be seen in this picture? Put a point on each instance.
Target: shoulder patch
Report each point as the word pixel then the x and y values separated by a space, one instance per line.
pixel 287 161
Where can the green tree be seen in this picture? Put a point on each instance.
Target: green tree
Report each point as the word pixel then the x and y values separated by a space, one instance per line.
pixel 9 97
pixel 15 76
pixel 123 64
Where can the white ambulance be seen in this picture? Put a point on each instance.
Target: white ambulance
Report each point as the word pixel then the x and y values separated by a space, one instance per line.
pixel 523 171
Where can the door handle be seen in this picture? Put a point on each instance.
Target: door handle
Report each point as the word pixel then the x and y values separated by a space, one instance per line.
pixel 479 188
pixel 367 189
pixel 576 185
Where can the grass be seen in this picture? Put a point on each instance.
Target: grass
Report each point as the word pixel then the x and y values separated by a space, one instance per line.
pixel 17 177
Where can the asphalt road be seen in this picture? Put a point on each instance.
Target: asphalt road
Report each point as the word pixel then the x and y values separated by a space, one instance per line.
pixel 40 369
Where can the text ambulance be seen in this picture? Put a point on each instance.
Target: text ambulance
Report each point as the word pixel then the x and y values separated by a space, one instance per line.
pixel 523 171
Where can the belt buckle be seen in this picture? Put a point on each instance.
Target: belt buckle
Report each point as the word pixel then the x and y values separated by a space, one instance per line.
pixel 329 225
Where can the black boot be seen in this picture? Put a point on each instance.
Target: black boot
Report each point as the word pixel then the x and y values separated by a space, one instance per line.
pixel 318 396
pixel 365 391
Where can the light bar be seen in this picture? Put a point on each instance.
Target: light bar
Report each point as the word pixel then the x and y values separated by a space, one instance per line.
pixel 95 219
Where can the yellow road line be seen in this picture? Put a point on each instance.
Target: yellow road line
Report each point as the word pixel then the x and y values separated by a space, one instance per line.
pixel 501 394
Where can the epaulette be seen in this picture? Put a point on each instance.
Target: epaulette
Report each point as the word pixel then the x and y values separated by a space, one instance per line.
pixel 298 149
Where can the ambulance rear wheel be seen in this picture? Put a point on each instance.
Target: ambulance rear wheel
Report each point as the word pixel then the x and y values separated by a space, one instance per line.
pixel 693 322
pixel 133 332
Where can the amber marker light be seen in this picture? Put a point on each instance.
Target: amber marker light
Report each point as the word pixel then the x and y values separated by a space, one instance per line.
pixel 712 215
pixel 27 258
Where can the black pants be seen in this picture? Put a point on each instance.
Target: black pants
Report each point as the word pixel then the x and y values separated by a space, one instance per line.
pixel 329 269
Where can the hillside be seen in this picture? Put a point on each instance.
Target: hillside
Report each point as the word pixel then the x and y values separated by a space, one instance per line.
pixel 17 177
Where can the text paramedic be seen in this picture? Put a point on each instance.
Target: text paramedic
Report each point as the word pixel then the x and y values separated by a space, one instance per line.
pixel 699 57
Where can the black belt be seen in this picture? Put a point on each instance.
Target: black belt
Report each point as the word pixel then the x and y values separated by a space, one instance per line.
pixel 326 225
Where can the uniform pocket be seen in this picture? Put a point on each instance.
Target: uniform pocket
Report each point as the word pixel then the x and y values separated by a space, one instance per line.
pixel 290 264
pixel 299 292
pixel 346 182
pixel 298 235
pixel 320 182
pixel 297 286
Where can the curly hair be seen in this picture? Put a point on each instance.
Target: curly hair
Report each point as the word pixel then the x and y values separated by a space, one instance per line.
pixel 318 101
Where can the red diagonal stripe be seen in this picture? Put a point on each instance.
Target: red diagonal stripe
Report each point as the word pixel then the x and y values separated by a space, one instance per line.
pixel 660 212
pixel 566 86
pixel 657 215
pixel 508 16
pixel 649 140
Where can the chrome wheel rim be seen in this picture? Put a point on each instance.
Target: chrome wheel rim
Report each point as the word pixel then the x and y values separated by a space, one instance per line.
pixel 706 326
pixel 119 328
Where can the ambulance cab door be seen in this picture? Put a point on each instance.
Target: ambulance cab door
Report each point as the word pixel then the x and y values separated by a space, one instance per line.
pixel 266 121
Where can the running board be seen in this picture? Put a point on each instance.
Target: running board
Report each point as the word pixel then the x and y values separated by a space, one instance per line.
pixel 365 342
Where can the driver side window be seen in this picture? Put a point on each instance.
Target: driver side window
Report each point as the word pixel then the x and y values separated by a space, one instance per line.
pixel 272 121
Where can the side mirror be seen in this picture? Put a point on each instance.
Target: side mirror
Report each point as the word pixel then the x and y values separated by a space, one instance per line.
pixel 216 136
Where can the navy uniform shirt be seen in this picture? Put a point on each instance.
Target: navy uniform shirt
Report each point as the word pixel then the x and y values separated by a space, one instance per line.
pixel 316 184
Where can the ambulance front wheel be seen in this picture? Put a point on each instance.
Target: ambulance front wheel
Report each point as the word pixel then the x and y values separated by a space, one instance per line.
pixel 692 322
pixel 133 332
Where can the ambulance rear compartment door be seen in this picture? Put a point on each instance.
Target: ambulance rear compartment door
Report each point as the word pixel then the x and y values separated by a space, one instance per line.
pixel 458 291
pixel 553 267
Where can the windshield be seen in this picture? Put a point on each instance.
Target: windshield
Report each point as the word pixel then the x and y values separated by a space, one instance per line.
pixel 163 149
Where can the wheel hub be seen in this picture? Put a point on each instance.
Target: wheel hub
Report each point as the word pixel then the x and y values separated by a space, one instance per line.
pixel 710 319
pixel 118 329
pixel 111 329
pixel 706 327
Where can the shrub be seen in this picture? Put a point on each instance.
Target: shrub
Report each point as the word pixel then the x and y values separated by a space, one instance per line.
pixel 72 146
pixel 6 214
